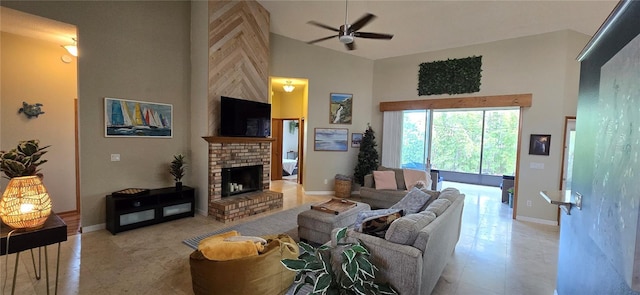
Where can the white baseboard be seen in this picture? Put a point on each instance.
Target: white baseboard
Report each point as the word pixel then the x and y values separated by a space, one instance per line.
pixel 202 212
pixel 320 193
pixel 537 220
pixel 88 229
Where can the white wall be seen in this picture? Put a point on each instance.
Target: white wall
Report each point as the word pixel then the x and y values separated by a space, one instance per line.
pixel 543 65
pixel 327 71
pixel 33 72
pixel 132 50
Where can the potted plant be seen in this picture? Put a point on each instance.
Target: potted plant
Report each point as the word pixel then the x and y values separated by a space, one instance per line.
pixel 23 160
pixel 177 169
pixel 355 274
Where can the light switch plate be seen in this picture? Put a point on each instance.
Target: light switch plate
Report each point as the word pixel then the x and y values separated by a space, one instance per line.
pixel 115 157
pixel 535 165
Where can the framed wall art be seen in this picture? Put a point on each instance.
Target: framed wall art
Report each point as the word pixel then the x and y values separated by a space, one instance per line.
pixel 331 139
pixel 132 118
pixel 340 108
pixel 356 139
pixel 539 144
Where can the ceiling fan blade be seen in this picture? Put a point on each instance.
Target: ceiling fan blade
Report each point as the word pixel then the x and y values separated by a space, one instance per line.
pixel 321 39
pixel 365 19
pixel 373 35
pixel 323 26
pixel 350 46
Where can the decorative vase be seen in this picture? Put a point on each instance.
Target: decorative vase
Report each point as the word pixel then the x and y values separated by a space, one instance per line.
pixel 179 185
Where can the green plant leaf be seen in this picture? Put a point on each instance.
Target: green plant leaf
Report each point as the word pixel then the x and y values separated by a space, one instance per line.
pixel 306 247
pixel 385 289
pixel 322 282
pixel 365 267
pixel 360 249
pixel 325 257
pixel 294 264
pixel 359 288
pixel 341 234
pixel 350 270
pixel 349 254
pixel 297 289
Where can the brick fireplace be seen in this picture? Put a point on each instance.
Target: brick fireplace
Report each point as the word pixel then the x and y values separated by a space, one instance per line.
pixel 239 152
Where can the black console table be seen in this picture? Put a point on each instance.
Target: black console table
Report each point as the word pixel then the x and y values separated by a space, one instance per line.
pixel 154 206
pixel 53 231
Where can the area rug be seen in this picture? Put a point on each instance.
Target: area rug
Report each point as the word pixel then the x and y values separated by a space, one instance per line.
pixel 281 222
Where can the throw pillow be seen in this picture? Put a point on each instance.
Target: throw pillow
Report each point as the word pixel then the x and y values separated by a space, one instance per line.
pixel 385 180
pixel 369 214
pixel 412 202
pixel 412 176
pixel 377 226
pixel 405 230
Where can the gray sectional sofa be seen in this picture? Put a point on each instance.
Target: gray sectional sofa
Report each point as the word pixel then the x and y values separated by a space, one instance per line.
pixel 384 198
pixel 416 247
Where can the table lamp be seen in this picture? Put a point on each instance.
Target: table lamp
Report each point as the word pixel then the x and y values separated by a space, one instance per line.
pixel 25 203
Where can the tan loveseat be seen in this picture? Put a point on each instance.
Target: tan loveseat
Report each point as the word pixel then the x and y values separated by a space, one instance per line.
pixel 385 198
pixel 416 247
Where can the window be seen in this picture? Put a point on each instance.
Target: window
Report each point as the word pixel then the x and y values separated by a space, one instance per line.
pixel 478 142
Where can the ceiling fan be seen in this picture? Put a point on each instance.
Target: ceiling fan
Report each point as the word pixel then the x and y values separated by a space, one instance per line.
pixel 348 32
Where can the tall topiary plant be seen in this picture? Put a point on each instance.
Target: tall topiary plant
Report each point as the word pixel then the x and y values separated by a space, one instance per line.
pixel 368 156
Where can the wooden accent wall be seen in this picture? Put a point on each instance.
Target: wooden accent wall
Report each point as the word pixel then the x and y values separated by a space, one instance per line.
pixel 238 54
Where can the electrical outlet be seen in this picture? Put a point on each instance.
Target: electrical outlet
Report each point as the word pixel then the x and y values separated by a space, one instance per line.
pixel 528 203
pixel 115 157
pixel 326 181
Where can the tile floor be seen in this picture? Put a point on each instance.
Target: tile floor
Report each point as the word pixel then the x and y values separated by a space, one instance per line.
pixel 495 254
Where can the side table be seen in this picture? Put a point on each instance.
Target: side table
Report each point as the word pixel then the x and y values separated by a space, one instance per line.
pixel 53 231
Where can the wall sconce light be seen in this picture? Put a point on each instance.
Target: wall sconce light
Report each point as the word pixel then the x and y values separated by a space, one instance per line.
pixel 25 203
pixel 72 49
pixel 288 87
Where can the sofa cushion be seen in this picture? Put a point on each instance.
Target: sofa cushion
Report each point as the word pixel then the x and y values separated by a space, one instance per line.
pixel 450 194
pixel 384 179
pixel 412 201
pixel 438 206
pixel 405 230
pixel 412 176
pixel 378 225
pixel 372 214
pixel 398 174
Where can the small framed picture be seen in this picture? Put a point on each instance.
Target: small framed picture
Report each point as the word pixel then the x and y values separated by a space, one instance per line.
pixel 539 144
pixel 331 139
pixel 356 139
pixel 340 108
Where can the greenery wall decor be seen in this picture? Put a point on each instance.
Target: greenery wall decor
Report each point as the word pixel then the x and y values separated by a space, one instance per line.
pixel 451 76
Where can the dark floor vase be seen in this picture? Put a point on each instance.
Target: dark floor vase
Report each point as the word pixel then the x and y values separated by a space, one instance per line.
pixel 179 185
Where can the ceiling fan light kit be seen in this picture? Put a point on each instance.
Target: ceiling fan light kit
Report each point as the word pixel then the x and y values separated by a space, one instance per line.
pixel 347 33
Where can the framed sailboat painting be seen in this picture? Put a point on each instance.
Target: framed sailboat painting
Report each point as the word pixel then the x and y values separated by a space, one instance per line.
pixel 132 118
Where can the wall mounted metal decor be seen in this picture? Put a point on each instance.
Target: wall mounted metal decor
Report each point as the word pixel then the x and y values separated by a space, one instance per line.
pixel 31 110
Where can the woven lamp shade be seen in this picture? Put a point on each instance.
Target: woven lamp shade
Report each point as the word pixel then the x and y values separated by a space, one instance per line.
pixel 25 203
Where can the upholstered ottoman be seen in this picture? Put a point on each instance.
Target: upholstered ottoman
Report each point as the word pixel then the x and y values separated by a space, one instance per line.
pixel 315 226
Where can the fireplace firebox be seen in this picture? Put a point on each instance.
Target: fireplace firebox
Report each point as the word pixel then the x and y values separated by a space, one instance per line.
pixel 240 180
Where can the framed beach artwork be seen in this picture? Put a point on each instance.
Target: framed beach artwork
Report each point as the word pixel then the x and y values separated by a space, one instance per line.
pixel 340 108
pixel 132 118
pixel 331 139
pixel 356 139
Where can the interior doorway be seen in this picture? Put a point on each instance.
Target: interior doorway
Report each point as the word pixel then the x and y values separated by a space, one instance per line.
pixel 286 149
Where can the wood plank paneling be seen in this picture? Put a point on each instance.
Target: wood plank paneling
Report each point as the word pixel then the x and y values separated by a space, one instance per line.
pixel 519 100
pixel 238 54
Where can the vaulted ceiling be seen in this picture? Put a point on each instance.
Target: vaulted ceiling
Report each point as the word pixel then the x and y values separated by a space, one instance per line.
pixel 426 25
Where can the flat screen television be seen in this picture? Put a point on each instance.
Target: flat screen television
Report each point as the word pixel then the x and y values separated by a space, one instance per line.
pixel 244 118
